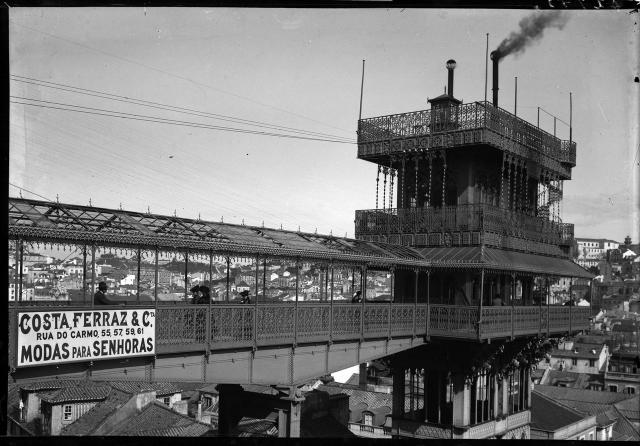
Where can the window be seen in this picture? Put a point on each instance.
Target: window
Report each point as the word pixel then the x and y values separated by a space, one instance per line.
pixel 630 390
pixel 66 412
pixel 574 361
pixel 590 436
pixel 581 437
pixel 592 363
pixel 368 419
pixel 166 400
pixel 613 388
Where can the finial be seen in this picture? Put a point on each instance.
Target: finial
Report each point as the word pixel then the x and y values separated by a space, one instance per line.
pixel 222 219
pixel 20 192
pixel 57 199
pixel 120 205
pixel 331 232
pixel 316 230
pixel 198 216
pixel 298 228
pixel 90 201
pixel 345 235
pixel 174 213
pixel 263 223
pixel 148 210
pixel 243 222
pixel 281 226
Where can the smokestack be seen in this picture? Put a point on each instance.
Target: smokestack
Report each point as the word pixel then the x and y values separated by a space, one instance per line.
pixel 495 57
pixel 451 65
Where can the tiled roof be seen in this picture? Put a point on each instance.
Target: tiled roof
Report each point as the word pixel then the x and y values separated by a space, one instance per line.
pixel 91 420
pixel 53 384
pixel 75 393
pixel 372 400
pixel 134 387
pixel 258 427
pixel 594 403
pixel 630 408
pixel 579 350
pixel 158 420
pixel 566 394
pixel 572 379
pixel 547 415
pixel 424 430
pixel 624 430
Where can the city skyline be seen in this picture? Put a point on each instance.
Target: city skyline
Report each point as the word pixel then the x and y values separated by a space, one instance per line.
pixel 234 61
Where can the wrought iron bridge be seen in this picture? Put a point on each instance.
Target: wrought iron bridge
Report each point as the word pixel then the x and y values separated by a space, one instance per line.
pixel 276 342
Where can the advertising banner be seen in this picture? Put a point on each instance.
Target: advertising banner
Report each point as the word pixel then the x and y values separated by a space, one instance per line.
pixel 55 337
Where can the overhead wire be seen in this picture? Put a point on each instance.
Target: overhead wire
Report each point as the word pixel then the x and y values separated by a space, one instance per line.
pixel 118 160
pixel 161 106
pixel 156 119
pixel 174 75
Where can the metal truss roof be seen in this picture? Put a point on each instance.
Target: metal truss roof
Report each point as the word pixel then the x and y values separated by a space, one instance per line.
pixel 67 223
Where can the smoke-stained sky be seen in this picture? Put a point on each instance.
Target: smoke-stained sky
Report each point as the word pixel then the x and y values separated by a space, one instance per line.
pixel 302 69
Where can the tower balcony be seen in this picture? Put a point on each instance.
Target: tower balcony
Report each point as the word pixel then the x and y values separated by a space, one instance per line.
pixel 463 125
pixel 470 224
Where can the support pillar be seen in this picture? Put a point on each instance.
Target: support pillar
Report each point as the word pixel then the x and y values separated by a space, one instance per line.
pixel 415 192
pixel 505 395
pixel 231 398
pixel 362 377
pixel 444 179
pixel 461 401
pixel 293 413
pixel 496 397
pixel 397 409
pixel 430 175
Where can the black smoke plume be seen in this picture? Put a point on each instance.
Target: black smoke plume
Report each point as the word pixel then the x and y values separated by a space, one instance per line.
pixel 531 29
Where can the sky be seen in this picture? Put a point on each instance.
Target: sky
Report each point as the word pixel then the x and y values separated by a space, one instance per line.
pixel 299 69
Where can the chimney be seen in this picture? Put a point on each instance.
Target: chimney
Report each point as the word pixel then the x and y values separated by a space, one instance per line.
pixel 495 57
pixel 451 65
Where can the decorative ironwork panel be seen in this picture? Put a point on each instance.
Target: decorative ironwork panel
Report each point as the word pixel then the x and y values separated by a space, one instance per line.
pixel 453 321
pixel 422 312
pixel 346 319
pixel 543 319
pixel 558 318
pixel 233 323
pixel 314 320
pixel 181 325
pixel 376 319
pixel 496 322
pixel 526 320
pixel 401 319
pixel 580 318
pixel 275 322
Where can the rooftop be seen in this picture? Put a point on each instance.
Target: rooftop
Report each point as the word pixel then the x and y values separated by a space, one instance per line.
pixel 156 419
pixel 549 415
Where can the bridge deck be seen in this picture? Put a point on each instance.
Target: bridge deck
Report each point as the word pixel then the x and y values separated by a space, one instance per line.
pixel 186 327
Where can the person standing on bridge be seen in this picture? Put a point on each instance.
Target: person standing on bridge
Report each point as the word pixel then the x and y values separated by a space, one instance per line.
pixel 100 298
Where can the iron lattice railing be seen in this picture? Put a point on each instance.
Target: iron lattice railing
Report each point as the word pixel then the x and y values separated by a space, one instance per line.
pixel 473 116
pixel 466 217
pixel 184 327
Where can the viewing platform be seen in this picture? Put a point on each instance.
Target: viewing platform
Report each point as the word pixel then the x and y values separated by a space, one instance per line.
pixel 463 221
pixel 466 124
